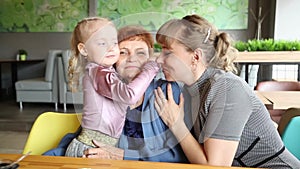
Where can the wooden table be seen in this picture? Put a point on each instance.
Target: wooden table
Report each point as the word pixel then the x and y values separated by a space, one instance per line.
pixel 267 102
pixel 268 58
pixel 52 162
pixel 282 99
pixel 14 68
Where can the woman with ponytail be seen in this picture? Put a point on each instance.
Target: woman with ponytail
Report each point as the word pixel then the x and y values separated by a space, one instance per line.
pixel 219 119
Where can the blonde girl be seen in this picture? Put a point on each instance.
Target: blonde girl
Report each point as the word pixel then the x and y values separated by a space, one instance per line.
pixel 106 97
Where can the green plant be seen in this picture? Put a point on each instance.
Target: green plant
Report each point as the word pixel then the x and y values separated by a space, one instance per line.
pixel 267 45
pixel 22 52
pixel 157 47
pixel 241 46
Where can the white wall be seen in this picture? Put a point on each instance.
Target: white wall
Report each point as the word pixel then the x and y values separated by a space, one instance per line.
pixel 287 27
pixel 287 22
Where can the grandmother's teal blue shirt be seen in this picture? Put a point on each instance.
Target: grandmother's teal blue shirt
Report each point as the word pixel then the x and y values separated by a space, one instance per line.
pixel 145 136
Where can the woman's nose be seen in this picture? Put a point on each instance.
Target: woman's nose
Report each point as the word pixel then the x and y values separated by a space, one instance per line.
pixel 159 59
pixel 131 56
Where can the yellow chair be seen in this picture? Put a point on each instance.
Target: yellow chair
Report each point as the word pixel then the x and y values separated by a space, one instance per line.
pixel 48 129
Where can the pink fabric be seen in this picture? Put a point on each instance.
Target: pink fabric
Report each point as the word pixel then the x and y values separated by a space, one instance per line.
pixel 106 97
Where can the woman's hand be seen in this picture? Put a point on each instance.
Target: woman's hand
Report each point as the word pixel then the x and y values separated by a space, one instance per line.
pixel 171 113
pixel 214 152
pixel 104 151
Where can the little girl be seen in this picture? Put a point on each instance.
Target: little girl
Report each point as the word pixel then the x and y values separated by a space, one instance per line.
pixel 106 98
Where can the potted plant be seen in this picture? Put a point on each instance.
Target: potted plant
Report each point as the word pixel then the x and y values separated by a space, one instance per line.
pixel 22 54
pixel 269 49
pixel 267 52
pixel 267 45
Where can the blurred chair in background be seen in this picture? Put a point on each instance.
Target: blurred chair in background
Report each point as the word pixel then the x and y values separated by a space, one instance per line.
pixel 66 96
pixel 277 86
pixel 43 89
pixel 291 136
pixel 286 118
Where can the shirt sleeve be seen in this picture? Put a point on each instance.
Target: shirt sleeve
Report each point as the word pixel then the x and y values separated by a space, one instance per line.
pixel 108 84
pixel 229 110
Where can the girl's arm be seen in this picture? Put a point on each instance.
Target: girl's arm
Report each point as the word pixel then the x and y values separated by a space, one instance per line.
pixel 108 84
pixel 212 152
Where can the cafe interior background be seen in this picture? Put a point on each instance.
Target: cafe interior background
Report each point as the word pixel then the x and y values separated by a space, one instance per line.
pixel 38 26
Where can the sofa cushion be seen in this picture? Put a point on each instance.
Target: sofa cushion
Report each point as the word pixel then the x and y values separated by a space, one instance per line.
pixel 39 96
pixel 34 84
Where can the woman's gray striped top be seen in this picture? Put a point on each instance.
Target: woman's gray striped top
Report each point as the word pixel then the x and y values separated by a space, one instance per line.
pixel 221 105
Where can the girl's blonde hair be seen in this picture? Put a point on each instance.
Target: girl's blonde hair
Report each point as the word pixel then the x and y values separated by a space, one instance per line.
pixel 82 31
pixel 193 31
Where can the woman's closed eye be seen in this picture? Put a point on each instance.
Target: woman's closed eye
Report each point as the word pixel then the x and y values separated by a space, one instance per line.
pixel 166 52
pixel 140 53
pixel 124 52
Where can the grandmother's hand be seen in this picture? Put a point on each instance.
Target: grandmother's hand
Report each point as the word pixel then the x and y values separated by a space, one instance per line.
pixel 104 151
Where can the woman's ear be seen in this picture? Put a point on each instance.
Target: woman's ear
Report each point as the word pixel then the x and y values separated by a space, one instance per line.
pixel 197 55
pixel 82 49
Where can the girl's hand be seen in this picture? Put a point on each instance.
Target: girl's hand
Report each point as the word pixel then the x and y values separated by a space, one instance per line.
pixel 104 151
pixel 171 113
pixel 153 58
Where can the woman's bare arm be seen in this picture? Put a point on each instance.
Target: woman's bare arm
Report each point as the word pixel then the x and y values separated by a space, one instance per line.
pixel 213 152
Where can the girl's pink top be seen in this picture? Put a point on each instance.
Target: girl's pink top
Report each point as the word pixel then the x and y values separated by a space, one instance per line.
pixel 106 97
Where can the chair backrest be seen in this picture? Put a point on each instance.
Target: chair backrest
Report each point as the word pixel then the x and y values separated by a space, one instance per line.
pixel 66 54
pixel 286 118
pixel 48 129
pixel 278 86
pixel 50 64
pixel 291 136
